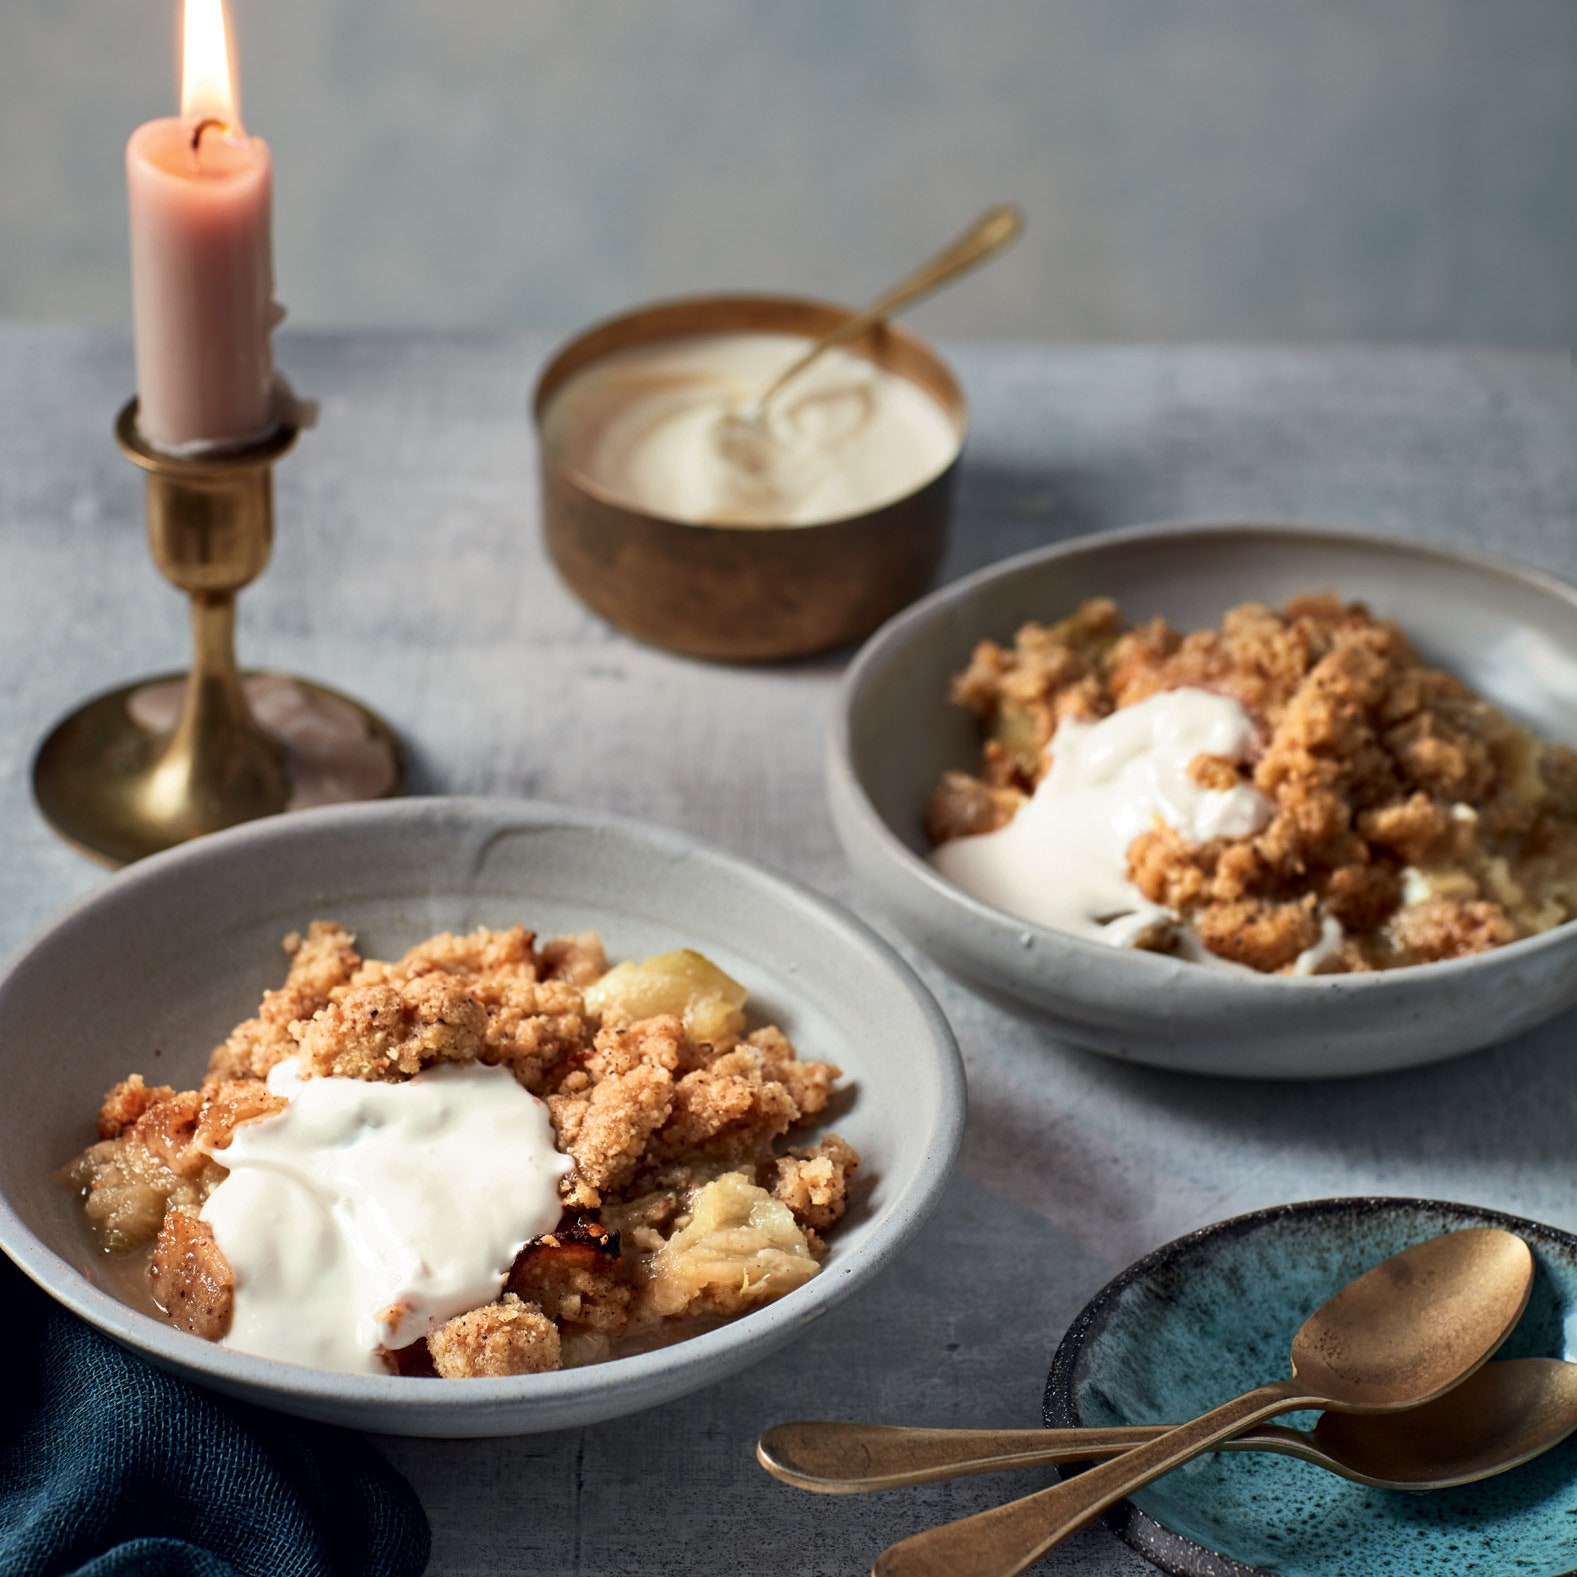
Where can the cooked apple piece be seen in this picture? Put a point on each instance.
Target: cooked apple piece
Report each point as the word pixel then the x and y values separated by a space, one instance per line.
pixel 190 1276
pixel 1017 730
pixel 691 987
pixel 741 1248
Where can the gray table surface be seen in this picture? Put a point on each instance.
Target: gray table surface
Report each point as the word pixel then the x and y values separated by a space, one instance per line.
pixel 408 570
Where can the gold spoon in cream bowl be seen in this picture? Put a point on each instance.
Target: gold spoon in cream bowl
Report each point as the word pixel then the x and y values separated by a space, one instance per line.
pixel 1399 1336
pixel 743 434
pixel 1501 1416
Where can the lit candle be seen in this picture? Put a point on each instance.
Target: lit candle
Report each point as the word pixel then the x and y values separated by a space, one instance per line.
pixel 200 193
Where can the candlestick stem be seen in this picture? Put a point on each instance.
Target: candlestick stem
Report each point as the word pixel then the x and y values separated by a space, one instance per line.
pixel 219 766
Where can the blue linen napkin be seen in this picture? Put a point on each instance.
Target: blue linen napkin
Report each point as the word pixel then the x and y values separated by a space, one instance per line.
pixel 112 1468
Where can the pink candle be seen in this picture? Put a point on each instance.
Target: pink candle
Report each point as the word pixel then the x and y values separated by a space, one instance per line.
pixel 200 194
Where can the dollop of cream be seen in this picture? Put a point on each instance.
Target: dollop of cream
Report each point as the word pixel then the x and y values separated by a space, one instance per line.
pixel 1313 959
pixel 1062 861
pixel 665 428
pixel 365 1214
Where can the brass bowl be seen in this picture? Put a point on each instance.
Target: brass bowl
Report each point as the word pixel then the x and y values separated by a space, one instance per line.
pixel 744 593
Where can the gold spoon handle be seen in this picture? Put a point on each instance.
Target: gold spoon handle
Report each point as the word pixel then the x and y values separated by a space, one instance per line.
pixel 1003 1541
pixel 844 1459
pixel 850 1459
pixel 984 238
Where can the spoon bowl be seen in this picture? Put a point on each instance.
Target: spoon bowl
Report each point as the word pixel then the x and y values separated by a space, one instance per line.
pixel 1503 1415
pixel 1417 1324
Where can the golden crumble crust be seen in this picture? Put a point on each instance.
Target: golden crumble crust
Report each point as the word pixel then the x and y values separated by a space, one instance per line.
pixel 1439 928
pixel 390 1032
pixel 579 960
pixel 814 1182
pixel 126 1102
pixel 576 1276
pixel 493 956
pixel 605 1129
pixel 321 962
pixel 504 1338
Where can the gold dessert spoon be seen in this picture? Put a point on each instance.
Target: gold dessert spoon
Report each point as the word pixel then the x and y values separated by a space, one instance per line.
pixel 1503 1415
pixel 1401 1335
pixel 740 431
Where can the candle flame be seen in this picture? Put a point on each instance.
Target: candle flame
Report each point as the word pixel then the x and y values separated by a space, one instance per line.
pixel 207 82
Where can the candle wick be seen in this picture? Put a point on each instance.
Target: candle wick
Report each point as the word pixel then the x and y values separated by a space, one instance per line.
pixel 202 126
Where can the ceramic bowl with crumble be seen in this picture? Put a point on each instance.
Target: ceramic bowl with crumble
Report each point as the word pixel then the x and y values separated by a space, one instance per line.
pixel 1257 800
pixel 463 1117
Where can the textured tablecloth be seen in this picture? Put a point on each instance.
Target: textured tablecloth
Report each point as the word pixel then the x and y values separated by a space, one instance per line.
pixel 408 570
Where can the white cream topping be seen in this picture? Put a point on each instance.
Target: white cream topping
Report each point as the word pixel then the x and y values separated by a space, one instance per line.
pixel 1416 886
pixel 1063 859
pixel 365 1214
pixel 651 425
pixel 1313 959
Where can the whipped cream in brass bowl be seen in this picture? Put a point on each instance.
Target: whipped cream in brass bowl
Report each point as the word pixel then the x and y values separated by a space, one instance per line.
pixel 658 425
pixel 746 540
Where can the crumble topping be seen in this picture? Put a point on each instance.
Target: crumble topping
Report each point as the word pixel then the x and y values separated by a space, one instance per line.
pixel 678 1206
pixel 1406 810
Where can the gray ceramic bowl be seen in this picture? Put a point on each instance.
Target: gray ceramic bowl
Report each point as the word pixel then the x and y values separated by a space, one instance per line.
pixel 1510 633
pixel 154 968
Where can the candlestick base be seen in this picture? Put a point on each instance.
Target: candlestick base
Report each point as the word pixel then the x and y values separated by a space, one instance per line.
pixel 104 781
pixel 153 764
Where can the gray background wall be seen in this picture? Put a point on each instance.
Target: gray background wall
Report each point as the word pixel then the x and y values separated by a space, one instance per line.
pixel 1291 169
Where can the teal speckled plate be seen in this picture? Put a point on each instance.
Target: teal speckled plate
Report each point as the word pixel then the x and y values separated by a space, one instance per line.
pixel 1213 1314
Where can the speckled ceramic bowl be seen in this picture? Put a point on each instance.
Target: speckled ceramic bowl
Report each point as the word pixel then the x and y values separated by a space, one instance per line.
pixel 153 969
pixel 1213 1314
pixel 1508 632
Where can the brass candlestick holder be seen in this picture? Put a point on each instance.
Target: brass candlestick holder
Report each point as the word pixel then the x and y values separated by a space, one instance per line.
pixel 155 763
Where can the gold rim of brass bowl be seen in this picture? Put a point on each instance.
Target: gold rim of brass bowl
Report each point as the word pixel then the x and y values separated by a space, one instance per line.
pixel 745 593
